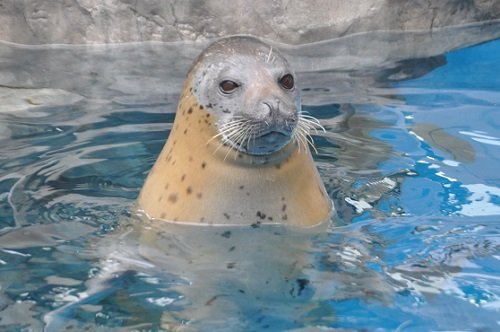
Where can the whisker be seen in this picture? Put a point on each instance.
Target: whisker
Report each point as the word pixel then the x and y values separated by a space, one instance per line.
pixel 232 125
pixel 300 140
pixel 269 55
pixel 245 138
pixel 312 122
pixel 305 125
pixel 235 134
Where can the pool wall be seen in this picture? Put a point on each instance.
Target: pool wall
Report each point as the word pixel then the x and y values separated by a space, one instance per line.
pixel 286 21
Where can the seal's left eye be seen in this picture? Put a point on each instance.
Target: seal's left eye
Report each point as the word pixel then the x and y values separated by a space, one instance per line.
pixel 287 81
pixel 228 86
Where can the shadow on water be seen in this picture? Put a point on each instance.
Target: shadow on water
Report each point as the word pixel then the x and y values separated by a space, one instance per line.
pixel 81 127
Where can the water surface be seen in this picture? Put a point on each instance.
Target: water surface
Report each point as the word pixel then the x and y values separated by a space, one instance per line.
pixel 410 159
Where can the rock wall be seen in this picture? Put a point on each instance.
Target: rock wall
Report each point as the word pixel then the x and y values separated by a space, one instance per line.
pixel 286 21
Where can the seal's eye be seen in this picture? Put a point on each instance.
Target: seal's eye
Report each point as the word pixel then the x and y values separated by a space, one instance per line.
pixel 287 81
pixel 228 86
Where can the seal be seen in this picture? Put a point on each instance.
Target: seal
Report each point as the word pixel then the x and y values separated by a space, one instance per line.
pixel 238 151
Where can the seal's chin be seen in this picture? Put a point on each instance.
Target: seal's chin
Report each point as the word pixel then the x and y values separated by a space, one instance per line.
pixel 267 143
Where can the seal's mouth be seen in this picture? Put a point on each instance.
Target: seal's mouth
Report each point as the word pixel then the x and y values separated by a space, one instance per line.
pixel 268 142
pixel 273 136
pixel 255 138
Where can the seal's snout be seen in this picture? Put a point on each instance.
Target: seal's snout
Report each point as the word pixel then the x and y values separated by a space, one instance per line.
pixel 279 115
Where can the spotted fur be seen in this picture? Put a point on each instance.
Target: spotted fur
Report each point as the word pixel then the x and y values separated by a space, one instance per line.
pixel 202 178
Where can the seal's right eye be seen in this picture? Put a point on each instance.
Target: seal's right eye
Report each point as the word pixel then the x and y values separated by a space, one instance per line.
pixel 228 86
pixel 287 82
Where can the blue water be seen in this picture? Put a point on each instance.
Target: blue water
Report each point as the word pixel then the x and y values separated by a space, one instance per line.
pixel 415 245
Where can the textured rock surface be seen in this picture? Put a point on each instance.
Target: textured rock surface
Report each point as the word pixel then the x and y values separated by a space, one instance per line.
pixel 341 70
pixel 287 21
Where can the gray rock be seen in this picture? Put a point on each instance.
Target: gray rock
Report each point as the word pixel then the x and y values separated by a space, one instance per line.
pixel 153 73
pixel 286 21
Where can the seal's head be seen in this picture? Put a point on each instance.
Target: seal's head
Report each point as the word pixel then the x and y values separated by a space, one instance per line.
pixel 251 89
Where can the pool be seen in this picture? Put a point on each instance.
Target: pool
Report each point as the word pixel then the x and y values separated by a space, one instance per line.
pixel 410 158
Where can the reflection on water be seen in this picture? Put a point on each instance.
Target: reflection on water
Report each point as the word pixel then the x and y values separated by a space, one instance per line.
pixel 414 246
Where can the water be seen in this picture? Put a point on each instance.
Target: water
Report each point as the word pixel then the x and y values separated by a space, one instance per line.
pixel 410 159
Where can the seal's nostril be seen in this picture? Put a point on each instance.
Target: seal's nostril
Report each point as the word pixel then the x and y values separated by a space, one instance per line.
pixel 273 104
pixel 271 111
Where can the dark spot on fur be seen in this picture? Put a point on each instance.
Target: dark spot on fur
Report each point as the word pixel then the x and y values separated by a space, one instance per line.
pixel 242 187
pixel 284 216
pixel 189 190
pixel 203 165
pixel 241 291
pixel 231 265
pixel 261 215
pixel 209 105
pixel 166 186
pixel 201 107
pixel 227 216
pixel 270 218
pixel 183 177
pixel 185 131
pixel 226 234
pixel 278 166
pixel 283 208
pixel 226 110
pixel 160 198
pixel 199 195
pixel 232 248
pixel 202 219
pixel 190 110
pixel 172 198
pixel 240 155
pixel 208 115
